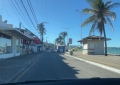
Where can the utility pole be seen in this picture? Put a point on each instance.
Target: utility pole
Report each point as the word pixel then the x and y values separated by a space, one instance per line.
pixel 42 35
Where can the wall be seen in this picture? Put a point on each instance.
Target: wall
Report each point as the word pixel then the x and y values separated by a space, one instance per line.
pixel 98 46
pixel 13 45
pixel 99 49
pixel 6 55
pixel 17 54
pixel 34 48
pixel 13 48
pixel 85 47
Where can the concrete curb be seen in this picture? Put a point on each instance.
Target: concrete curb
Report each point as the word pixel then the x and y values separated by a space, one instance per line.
pixel 97 64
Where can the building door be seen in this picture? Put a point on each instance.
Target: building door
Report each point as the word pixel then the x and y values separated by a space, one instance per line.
pixel 38 48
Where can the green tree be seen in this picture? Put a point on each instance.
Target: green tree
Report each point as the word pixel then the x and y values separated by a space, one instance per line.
pixel 57 41
pixel 63 34
pixel 100 15
pixel 61 42
pixel 41 30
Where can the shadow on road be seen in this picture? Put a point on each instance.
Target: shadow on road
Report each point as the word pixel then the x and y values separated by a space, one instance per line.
pixel 50 66
pixel 70 71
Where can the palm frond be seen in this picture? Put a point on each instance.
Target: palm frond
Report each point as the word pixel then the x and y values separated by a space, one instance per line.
pixel 111 14
pixel 63 34
pixel 41 29
pixel 89 20
pixel 97 4
pixel 89 11
pixel 60 37
pixel 107 3
pixel 90 1
pixel 93 26
pixel 94 3
pixel 110 24
pixel 112 6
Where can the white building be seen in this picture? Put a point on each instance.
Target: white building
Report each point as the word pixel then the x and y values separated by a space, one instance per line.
pixel 93 45
pixel 10 40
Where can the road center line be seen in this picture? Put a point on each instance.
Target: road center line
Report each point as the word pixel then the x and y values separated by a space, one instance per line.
pixel 27 68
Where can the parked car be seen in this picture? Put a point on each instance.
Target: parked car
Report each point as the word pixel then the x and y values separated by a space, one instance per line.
pixel 75 49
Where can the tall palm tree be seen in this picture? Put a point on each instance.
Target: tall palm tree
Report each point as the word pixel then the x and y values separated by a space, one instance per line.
pixel 61 40
pixel 63 34
pixel 57 41
pixel 42 31
pixel 100 15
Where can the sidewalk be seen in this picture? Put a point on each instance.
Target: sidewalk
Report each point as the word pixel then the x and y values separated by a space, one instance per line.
pixel 110 60
pixel 12 66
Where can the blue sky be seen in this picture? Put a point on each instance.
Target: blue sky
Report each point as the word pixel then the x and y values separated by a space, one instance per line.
pixel 59 13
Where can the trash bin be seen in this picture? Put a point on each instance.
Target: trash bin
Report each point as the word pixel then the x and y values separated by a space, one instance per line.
pixel 71 52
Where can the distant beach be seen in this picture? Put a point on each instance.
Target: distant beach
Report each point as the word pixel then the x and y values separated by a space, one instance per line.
pixel 114 50
pixel 111 50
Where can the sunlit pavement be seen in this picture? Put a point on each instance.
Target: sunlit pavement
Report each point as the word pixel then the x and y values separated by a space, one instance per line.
pixel 110 60
pixel 52 65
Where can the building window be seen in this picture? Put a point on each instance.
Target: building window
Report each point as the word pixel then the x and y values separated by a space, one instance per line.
pixel 91 46
pixel 95 44
pixel 5 44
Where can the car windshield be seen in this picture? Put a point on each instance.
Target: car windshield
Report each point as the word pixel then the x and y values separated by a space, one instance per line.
pixel 59 39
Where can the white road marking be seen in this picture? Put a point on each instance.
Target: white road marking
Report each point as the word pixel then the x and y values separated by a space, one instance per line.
pixel 97 64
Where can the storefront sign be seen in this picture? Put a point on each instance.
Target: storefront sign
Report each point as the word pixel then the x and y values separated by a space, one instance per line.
pixel 36 40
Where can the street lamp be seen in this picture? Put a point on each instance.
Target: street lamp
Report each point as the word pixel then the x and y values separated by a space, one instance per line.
pixel 81 21
pixel 67 32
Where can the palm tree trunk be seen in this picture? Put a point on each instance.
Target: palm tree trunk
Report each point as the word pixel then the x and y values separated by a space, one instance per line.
pixel 105 40
pixel 64 42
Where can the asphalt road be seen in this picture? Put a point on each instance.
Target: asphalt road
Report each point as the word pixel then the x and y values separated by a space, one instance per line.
pixel 58 66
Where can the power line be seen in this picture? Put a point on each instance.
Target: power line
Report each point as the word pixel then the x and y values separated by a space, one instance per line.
pixel 32 10
pixel 2 7
pixel 47 12
pixel 14 10
pixel 28 15
pixel 18 12
pixel 38 8
pixel 22 13
pixel 42 8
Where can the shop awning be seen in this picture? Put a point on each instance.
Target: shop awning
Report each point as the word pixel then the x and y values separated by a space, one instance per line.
pixel 15 32
pixel 93 38
pixel 19 34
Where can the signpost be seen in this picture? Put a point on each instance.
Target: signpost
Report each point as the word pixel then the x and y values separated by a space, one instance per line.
pixel 70 40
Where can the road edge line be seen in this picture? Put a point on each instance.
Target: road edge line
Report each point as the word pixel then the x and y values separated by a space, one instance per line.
pixel 97 64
